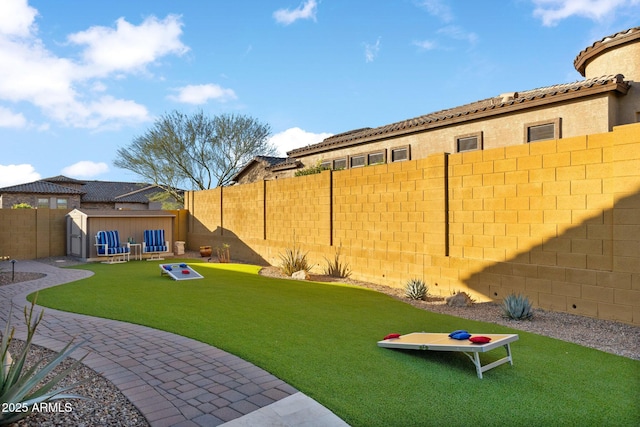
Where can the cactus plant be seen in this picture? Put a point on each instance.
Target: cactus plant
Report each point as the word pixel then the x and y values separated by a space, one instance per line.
pixel 517 307
pixel 416 289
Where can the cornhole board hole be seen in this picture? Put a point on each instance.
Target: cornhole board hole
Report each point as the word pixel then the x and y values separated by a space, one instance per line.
pixel 442 342
pixel 179 271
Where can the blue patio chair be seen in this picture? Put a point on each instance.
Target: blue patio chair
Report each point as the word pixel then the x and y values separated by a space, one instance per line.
pixel 154 244
pixel 108 245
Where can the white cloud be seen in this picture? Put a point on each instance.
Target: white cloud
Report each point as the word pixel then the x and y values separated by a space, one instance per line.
pixel 17 174
pixel 16 18
pixel 295 138
pixel 371 50
pixel 72 91
pixel 425 44
pixel 458 33
pixel 438 8
pixel 8 119
pixel 553 11
pixel 200 94
pixel 85 169
pixel 129 48
pixel 306 10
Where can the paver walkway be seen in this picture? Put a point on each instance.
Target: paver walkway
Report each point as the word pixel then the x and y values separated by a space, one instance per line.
pixel 172 380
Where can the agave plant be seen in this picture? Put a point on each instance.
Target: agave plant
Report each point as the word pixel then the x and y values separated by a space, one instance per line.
pixel 22 388
pixel 517 307
pixel 416 289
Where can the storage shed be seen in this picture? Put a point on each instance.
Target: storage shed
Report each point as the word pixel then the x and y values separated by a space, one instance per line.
pixel 84 224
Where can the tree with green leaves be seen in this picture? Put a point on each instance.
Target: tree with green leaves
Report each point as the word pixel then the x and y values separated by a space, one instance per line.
pixel 195 152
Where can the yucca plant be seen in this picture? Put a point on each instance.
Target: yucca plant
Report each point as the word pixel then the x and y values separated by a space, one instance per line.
pixel 416 289
pixel 337 268
pixel 517 307
pixel 294 260
pixel 21 388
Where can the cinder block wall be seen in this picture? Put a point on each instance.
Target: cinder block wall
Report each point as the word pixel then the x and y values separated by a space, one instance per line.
pixel 557 220
pixel 32 233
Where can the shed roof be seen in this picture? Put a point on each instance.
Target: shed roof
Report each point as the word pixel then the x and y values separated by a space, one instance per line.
pixel 105 213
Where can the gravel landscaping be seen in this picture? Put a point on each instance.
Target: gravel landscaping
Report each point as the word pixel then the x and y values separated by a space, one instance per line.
pixel 106 406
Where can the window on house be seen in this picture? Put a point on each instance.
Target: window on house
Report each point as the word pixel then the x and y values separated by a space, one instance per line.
pixel 357 161
pixel 43 203
pixel 339 164
pixel 377 157
pixel 469 142
pixel 638 117
pixel 325 164
pixel 399 154
pixel 542 131
pixel 61 203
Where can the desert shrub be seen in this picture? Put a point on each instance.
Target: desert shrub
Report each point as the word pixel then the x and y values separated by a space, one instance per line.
pixel 22 206
pixel 294 259
pixel 311 170
pixel 224 255
pixel 517 307
pixel 336 267
pixel 416 289
pixel 21 388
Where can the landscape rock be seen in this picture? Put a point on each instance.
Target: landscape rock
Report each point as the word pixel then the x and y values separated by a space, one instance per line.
pixel 300 275
pixel 461 299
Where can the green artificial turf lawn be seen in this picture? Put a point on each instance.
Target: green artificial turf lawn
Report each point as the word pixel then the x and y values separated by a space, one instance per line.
pixel 321 338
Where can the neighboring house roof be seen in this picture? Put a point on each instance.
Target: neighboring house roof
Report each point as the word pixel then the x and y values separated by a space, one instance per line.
pixel 40 187
pixel 504 103
pixel 91 191
pixel 288 163
pixel 63 179
pixel 266 161
pixel 109 191
pixel 622 37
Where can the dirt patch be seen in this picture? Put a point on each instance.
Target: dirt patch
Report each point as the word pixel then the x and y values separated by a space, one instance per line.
pixel 17 277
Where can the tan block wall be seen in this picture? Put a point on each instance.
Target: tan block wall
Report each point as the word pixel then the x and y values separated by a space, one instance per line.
pixel 32 233
pixel 557 220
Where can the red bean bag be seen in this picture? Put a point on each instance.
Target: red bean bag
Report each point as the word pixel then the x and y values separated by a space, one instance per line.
pixel 479 340
pixel 390 336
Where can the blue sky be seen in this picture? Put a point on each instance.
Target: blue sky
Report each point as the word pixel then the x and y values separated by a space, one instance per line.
pixel 80 79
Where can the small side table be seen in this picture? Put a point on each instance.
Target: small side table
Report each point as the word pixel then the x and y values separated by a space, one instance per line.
pixel 136 250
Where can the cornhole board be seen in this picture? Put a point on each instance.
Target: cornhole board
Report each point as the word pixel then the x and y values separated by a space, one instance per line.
pixel 179 271
pixel 442 342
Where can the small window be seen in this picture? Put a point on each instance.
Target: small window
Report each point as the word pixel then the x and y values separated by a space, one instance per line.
pixel 325 165
pixel 376 158
pixel 400 153
pixel 61 203
pixel 339 164
pixel 43 203
pixel 357 161
pixel 542 131
pixel 469 142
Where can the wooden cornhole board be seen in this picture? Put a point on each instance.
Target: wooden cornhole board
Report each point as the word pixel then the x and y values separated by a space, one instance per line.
pixel 179 271
pixel 442 342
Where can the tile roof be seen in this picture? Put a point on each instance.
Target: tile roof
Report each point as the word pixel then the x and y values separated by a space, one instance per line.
pixel 40 187
pixel 621 37
pixel 91 191
pixel 63 179
pixel 109 191
pixel 503 103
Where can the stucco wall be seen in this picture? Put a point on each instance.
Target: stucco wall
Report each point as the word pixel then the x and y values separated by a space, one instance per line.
pixel 558 221
pixel 579 117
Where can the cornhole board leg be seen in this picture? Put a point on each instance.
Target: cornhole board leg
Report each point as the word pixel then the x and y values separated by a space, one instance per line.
pixel 475 359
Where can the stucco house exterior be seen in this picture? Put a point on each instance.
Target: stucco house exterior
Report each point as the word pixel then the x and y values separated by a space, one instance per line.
pixel 61 192
pixel 608 96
